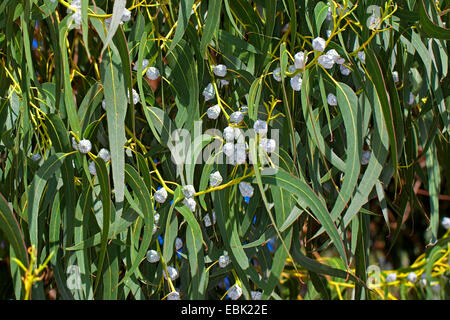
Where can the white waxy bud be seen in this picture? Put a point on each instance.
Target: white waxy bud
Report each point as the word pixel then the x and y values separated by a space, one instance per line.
pixel 318 44
pixel 228 149
pixel 178 243
pixel 365 157
pixel 160 195
pixel 344 70
pixel 362 56
pixel 291 68
pixel 243 108
pixel 411 98
pixel 190 203
pixel 156 218
pixel 296 83
pixel 145 63
pixel 235 292
pixel 173 296
pixel 173 273
pixel 136 98
pixel 104 104
pixel 228 134
pixel 207 219
pixel 213 112
pixel 326 61
pixel 92 169
pixel 240 156
pixel 391 277
pixel 36 157
pixel 84 146
pixel 224 82
pixel 104 154
pixel 328 33
pixel 152 73
pixel 256 295
pixel 373 22
pixel 331 99
pixel 300 60
pixel 395 76
pixel 224 260
pixel 209 92
pixel 126 16
pixel 188 191
pixel 277 74
pixel 268 145
pixel 446 223
pixel 77 18
pixel 220 70
pixel 74 3
pixel 236 117
pixel 260 126
pixel 152 256
pixel 74 144
pixel 155 228
pixel 411 277
pixel 246 189
pixel 215 179
pixel 333 54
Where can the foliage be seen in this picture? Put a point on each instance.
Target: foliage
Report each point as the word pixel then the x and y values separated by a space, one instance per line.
pixel 104 109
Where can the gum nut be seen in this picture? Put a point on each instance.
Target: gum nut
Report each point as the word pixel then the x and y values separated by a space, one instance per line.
pixel 84 146
pixel 365 158
pixel 344 70
pixel 331 99
pixel 246 189
pixel 36 157
pixel 92 168
pixel 268 145
pixel 235 292
pixel 395 76
pixel 215 179
pixel 213 112
pixel 220 70
pixel 446 223
pixel 126 16
pixel 391 277
pixel 256 295
pixel 188 191
pixel 300 60
pixel 224 260
pixel 209 92
pixel 152 73
pixel 173 296
pixel 160 195
pixel 236 117
pixel 156 218
pixel 296 83
pixel 104 104
pixel 104 154
pixel 411 98
pixel 228 149
pixel 74 144
pixel 178 244
pixel 277 74
pixel 260 126
pixel 325 61
pixel 362 56
pixel 318 44
pixel 190 203
pixel 228 133
pixel 411 277
pixel 173 273
pixel 152 256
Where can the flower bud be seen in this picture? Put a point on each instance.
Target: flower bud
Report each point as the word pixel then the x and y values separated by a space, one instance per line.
pixel 326 61
pixel 215 179
pixel 331 99
pixel 190 203
pixel 246 189
pixel 318 44
pixel 84 146
pixel 296 83
pixel 300 60
pixel 152 256
pixel 260 127
pixel 224 260
pixel 209 92
pixel 160 195
pixel 220 70
pixel 235 292
pixel 152 73
pixel 236 117
pixel 213 112
pixel 188 191
pixel 104 154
